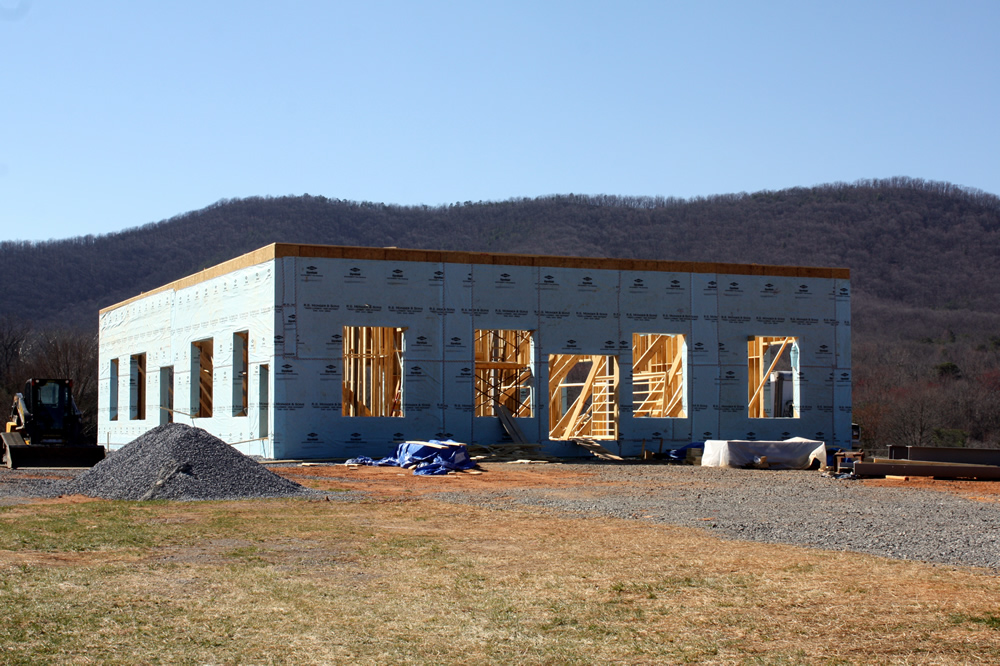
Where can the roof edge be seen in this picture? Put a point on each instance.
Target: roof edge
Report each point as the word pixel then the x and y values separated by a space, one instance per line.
pixel 554 261
pixel 279 250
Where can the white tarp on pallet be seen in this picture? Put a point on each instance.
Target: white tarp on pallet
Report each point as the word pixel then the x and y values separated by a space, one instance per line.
pixel 795 453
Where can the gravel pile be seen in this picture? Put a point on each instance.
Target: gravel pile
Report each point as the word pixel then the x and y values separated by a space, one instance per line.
pixel 178 462
pixel 792 507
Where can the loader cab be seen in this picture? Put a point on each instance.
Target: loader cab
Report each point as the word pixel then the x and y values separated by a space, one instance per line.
pixel 54 415
pixel 45 429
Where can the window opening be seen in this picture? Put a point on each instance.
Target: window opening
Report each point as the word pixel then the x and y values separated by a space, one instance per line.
pixel 201 377
pixel 137 387
pixel 166 394
pixel 241 387
pixel 658 375
pixel 773 363
pixel 113 391
pixel 583 396
pixel 373 371
pixel 503 372
pixel 264 391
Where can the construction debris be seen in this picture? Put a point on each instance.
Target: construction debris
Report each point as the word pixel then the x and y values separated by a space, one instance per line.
pixel 844 461
pixel 505 453
pixel 596 449
pixel 510 425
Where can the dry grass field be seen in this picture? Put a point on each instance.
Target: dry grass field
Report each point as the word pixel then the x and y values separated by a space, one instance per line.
pixel 398 577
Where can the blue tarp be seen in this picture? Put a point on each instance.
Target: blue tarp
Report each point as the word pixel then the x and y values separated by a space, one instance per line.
pixel 427 458
pixel 680 455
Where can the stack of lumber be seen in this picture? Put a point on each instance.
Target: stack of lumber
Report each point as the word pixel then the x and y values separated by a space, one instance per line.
pixel 596 449
pixel 509 453
pixel 934 461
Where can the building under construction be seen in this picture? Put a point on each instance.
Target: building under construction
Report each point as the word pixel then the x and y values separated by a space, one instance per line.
pixel 309 351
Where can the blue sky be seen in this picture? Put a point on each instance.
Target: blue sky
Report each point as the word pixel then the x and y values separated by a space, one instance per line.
pixel 116 113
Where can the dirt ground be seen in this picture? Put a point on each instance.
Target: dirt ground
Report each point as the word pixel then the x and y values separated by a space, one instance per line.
pixel 392 481
pixel 986 491
pixel 396 482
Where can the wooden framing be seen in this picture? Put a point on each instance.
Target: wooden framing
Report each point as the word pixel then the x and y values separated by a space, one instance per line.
pixel 373 371
pixel 202 371
pixel 765 354
pixel 166 394
pixel 591 405
pixel 137 377
pixel 113 390
pixel 658 375
pixel 241 376
pixel 503 372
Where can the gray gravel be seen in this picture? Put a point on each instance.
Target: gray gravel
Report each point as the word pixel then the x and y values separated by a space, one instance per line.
pixel 793 507
pixel 178 462
pixel 18 486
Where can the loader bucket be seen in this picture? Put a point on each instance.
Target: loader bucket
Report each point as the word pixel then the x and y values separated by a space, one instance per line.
pixel 17 454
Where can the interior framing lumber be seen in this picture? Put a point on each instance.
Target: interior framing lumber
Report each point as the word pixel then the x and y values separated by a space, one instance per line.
pixel 762 360
pixel 503 372
pixel 373 371
pixel 593 404
pixel 658 377
pixel 202 351
pixel 137 408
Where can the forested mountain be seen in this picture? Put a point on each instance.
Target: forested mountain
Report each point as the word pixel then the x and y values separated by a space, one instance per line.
pixel 908 242
pixel 921 256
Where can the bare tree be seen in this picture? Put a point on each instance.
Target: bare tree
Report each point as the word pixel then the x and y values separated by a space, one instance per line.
pixel 63 354
pixel 14 336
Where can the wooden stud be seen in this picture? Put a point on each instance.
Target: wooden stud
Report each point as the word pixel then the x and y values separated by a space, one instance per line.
pixel 594 411
pixel 757 349
pixel 373 370
pixel 503 369
pixel 658 374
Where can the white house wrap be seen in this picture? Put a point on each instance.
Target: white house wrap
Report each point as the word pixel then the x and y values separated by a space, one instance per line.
pixel 306 351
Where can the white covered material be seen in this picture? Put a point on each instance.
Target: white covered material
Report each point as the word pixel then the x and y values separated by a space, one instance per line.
pixel 795 453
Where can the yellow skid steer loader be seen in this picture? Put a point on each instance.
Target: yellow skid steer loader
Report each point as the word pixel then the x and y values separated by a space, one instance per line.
pixel 44 429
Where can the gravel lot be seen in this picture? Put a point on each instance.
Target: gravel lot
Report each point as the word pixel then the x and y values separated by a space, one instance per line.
pixel 20 486
pixel 793 507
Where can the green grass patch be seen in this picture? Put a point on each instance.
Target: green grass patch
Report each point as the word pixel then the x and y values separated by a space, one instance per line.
pixel 990 620
pixel 78 527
